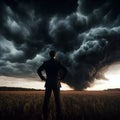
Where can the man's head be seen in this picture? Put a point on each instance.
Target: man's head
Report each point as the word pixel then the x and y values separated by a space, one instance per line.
pixel 52 54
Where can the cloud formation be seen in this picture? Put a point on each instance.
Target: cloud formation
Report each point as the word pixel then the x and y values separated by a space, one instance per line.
pixel 85 33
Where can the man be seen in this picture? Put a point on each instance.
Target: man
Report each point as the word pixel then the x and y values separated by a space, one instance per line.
pixel 54 73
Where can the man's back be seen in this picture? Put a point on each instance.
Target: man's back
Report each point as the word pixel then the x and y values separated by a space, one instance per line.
pixel 52 69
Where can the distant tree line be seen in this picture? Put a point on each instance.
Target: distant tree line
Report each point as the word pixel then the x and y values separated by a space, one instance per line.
pixel 17 89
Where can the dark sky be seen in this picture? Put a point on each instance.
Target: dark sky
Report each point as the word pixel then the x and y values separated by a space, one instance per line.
pixel 86 34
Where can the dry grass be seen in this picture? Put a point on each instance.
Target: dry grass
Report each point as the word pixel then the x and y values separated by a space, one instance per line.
pixel 77 105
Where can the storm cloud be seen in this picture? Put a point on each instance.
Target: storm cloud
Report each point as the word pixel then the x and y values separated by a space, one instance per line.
pixel 86 34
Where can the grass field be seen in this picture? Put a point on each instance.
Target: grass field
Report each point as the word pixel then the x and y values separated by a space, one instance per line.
pixel 77 105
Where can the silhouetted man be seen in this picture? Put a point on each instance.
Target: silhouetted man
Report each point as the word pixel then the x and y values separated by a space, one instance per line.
pixel 54 73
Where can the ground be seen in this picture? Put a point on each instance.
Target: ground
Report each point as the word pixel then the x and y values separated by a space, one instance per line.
pixel 76 105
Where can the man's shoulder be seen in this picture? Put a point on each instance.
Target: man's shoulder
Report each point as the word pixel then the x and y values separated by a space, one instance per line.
pixel 45 62
pixel 51 61
pixel 56 61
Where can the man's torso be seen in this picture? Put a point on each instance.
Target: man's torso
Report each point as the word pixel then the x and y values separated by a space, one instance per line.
pixel 52 68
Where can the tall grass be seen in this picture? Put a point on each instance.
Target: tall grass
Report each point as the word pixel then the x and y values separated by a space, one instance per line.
pixel 76 105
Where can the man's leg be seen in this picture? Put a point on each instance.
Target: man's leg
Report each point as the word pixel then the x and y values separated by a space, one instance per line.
pixel 46 103
pixel 56 92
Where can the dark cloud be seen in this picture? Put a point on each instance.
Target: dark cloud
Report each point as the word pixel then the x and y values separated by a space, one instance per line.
pixel 86 34
pixel 44 7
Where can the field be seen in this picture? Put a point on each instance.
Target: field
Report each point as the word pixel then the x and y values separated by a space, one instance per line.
pixel 77 105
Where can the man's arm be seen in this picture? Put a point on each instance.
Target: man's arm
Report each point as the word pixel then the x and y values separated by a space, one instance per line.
pixel 39 71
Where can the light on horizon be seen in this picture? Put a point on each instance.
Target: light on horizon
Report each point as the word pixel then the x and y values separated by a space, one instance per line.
pixel 32 83
pixel 113 76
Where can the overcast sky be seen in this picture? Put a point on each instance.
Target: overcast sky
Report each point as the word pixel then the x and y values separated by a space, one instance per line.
pixel 85 34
